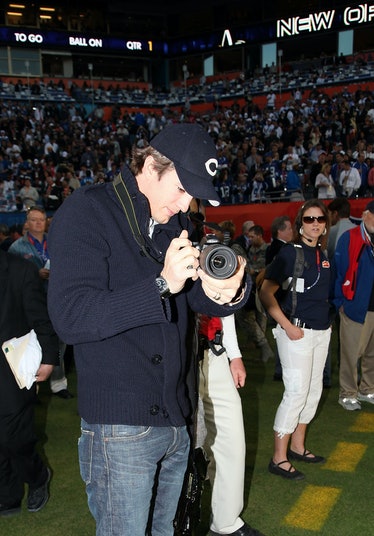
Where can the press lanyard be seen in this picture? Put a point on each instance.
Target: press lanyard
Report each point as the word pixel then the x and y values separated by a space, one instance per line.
pixel 41 247
pixel 318 261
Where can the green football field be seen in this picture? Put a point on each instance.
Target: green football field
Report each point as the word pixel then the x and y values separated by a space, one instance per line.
pixel 335 499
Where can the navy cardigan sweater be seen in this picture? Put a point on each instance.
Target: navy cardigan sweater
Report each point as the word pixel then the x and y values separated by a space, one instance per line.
pixel 129 344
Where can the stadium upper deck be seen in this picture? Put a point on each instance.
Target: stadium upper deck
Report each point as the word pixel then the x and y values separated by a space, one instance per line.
pixel 162 42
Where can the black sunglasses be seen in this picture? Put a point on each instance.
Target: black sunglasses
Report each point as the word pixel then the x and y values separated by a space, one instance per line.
pixel 311 219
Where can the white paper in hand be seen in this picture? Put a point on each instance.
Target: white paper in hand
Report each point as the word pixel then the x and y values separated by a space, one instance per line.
pixel 24 356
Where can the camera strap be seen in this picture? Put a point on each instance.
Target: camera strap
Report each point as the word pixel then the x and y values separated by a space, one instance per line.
pixel 211 334
pixel 128 208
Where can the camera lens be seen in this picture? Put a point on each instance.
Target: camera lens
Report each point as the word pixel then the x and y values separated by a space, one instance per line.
pixel 218 261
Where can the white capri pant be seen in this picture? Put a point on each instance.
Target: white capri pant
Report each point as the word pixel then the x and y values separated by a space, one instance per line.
pixel 302 362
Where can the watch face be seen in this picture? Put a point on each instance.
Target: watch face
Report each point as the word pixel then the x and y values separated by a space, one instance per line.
pixel 162 285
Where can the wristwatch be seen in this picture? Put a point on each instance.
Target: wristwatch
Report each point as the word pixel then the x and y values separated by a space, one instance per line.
pixel 163 287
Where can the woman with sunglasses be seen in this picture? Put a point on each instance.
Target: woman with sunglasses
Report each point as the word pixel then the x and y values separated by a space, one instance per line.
pixel 302 336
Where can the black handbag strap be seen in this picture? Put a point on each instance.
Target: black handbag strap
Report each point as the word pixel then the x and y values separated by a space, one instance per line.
pixel 128 208
pixel 297 272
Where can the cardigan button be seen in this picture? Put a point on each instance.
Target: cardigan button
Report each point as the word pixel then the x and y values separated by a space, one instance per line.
pixel 156 359
pixel 154 410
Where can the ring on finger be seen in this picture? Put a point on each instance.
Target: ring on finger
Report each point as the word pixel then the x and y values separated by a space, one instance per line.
pixel 217 296
pixel 190 267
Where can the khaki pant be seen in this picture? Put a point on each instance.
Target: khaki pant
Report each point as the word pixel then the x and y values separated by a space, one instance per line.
pixel 254 322
pixel 356 341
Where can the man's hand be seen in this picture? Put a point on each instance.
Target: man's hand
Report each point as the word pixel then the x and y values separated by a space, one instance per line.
pixel 44 273
pixel 222 291
pixel 181 262
pixel 43 373
pixel 238 371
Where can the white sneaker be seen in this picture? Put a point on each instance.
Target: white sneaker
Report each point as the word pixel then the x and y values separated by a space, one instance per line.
pixel 351 404
pixel 366 398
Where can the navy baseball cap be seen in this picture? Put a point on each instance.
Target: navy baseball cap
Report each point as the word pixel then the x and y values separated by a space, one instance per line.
pixel 194 156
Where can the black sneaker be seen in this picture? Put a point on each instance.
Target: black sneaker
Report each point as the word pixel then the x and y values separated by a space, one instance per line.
pixel 38 497
pixel 64 393
pixel 10 509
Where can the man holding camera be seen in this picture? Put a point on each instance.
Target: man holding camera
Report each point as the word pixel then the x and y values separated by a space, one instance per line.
pixel 122 295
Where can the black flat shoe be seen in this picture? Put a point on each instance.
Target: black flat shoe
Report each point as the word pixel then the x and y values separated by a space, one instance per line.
pixel 245 530
pixel 305 457
pixel 10 509
pixel 285 473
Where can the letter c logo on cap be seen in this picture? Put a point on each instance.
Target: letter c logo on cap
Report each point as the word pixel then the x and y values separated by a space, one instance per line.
pixel 208 166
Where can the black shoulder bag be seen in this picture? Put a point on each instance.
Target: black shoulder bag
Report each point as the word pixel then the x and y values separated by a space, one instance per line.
pixel 188 513
pixel 297 272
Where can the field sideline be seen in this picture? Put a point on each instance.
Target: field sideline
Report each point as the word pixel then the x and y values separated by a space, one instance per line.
pixel 335 499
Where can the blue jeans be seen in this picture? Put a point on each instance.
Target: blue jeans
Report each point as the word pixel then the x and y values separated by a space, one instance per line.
pixel 125 468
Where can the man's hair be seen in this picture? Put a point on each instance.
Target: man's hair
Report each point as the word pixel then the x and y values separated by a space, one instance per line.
pixel 16 228
pixel 228 226
pixel 246 226
pixel 340 205
pixel 4 229
pixel 257 230
pixel 139 155
pixel 278 224
pixel 36 208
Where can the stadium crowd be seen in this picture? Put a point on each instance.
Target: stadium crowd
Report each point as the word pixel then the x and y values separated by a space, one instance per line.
pixel 318 145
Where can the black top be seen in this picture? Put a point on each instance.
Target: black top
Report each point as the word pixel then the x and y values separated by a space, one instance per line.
pixel 312 287
pixel 22 307
pixel 273 249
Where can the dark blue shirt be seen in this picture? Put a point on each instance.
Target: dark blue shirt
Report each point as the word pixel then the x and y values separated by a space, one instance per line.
pixel 313 286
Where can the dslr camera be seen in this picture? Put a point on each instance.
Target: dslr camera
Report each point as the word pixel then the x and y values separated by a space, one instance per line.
pixel 216 259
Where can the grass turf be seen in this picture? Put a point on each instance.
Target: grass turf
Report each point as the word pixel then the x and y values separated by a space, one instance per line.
pixel 331 501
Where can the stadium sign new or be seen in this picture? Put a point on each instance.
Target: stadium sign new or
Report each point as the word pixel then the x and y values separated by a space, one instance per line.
pixel 327 20
pixel 324 20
